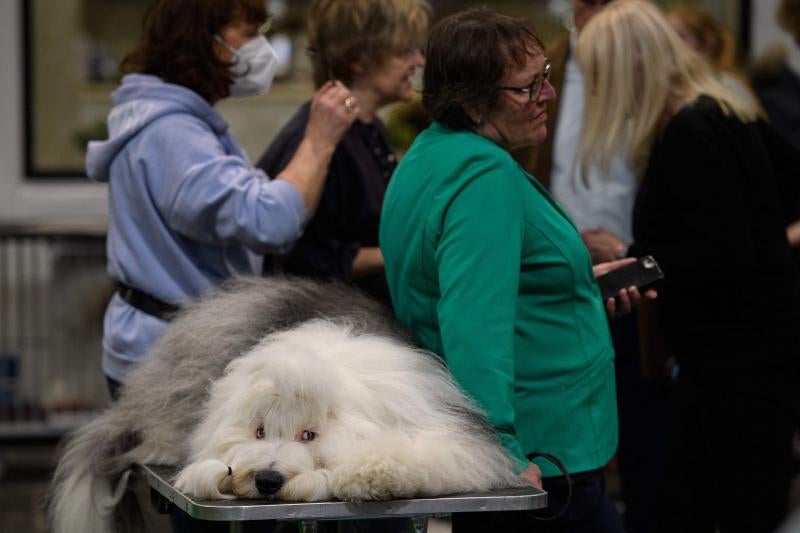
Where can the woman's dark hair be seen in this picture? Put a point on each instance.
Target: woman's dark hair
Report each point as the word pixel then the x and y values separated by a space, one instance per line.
pixel 467 55
pixel 177 42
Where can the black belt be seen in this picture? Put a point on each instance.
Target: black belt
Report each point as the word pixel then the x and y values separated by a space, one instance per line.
pixel 146 303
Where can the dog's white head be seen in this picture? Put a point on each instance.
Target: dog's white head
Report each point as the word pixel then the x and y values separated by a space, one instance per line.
pixel 267 418
pixel 321 411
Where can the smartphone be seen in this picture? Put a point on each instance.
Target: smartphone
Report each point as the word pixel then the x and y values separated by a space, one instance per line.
pixel 642 274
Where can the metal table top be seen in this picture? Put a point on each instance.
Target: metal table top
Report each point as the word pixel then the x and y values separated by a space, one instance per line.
pixel 514 499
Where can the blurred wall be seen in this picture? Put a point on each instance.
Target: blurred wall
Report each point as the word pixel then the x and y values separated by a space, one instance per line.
pixel 18 197
pixel 84 201
pixel 767 34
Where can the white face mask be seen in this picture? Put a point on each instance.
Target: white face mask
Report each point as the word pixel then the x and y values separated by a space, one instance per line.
pixel 254 66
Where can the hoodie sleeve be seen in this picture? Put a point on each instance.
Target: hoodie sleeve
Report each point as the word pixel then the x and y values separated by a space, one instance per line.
pixel 214 197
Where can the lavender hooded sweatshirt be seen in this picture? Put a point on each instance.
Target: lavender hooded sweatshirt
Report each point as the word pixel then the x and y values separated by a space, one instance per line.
pixel 186 208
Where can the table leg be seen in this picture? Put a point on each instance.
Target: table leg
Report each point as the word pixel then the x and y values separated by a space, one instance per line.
pixel 420 524
pixel 308 526
pixel 235 527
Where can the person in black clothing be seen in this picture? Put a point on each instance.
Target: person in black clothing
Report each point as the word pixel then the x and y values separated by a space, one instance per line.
pixel 778 87
pixel 371 46
pixel 776 82
pixel 719 189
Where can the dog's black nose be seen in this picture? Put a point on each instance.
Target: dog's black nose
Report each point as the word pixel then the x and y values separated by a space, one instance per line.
pixel 268 482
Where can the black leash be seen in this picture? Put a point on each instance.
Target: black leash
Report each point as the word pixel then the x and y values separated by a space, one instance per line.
pixel 553 459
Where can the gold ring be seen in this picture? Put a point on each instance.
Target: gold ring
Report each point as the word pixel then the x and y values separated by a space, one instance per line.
pixel 348 104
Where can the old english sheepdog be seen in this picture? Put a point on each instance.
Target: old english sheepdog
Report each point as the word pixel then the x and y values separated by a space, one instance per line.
pixel 280 389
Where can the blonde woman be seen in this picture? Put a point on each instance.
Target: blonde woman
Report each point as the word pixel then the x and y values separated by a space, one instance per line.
pixel 717 193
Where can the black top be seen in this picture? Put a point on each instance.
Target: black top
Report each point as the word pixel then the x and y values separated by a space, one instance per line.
pixel 779 93
pixel 712 210
pixel 349 210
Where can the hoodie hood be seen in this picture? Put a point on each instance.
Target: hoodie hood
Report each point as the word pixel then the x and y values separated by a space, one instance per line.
pixel 140 100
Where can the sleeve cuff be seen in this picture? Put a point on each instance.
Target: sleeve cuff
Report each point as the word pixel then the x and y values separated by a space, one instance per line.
pixel 514 449
pixel 286 190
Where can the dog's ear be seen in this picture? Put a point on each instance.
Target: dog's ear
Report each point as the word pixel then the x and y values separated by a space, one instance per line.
pixel 208 480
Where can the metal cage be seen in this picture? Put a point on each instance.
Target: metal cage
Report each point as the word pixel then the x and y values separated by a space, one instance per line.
pixel 53 293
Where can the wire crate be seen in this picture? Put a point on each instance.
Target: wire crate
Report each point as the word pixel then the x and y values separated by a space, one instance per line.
pixel 53 293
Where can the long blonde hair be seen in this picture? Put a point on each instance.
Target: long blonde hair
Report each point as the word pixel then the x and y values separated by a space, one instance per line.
pixel 634 63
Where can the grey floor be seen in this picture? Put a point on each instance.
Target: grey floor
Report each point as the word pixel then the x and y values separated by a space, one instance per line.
pixel 24 473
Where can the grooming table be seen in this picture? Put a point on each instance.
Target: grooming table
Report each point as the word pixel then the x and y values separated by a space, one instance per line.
pixel 419 509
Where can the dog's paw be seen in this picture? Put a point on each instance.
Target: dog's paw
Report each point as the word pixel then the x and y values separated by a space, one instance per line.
pixel 372 478
pixel 204 479
pixel 308 486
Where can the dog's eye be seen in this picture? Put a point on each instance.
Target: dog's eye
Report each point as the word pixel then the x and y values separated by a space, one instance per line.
pixel 260 432
pixel 307 436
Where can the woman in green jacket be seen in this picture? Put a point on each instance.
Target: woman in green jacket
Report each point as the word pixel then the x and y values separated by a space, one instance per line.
pixel 490 273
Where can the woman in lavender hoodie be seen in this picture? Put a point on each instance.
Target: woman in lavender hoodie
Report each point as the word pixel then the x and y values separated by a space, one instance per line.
pixel 186 208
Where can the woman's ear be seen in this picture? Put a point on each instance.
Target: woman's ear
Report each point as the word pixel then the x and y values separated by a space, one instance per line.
pixel 475 114
pixel 358 69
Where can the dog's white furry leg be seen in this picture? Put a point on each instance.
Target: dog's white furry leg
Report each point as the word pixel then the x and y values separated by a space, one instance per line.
pixel 382 468
pixel 428 463
pixel 203 480
pixel 308 486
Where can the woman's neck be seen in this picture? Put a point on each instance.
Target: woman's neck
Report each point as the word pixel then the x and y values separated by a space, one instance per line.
pixel 369 102
pixel 675 102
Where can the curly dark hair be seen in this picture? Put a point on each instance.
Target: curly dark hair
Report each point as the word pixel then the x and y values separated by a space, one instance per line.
pixel 466 57
pixel 176 43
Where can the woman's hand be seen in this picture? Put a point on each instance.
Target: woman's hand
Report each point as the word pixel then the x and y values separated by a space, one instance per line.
pixel 368 260
pixel 532 475
pixel 628 298
pixel 793 234
pixel 333 110
pixel 603 245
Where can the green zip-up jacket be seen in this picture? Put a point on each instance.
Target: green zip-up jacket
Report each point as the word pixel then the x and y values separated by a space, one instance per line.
pixel 491 274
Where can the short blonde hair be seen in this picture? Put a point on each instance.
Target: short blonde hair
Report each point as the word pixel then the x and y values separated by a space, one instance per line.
pixel 346 33
pixel 634 62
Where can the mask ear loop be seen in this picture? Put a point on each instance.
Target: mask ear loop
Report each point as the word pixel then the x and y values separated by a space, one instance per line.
pixel 235 53
pixel 228 47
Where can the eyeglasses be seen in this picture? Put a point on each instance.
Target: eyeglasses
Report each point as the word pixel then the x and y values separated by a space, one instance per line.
pixel 408 51
pixel 535 88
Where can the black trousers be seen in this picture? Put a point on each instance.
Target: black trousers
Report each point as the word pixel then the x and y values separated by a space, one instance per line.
pixel 730 451
pixel 644 405
pixel 589 511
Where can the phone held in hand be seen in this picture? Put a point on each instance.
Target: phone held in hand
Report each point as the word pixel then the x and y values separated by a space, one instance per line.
pixel 642 274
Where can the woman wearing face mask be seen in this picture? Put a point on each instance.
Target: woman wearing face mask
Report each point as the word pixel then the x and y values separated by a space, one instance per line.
pixel 371 45
pixel 186 209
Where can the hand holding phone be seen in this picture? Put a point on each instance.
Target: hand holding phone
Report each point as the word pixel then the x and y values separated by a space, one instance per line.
pixel 642 274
